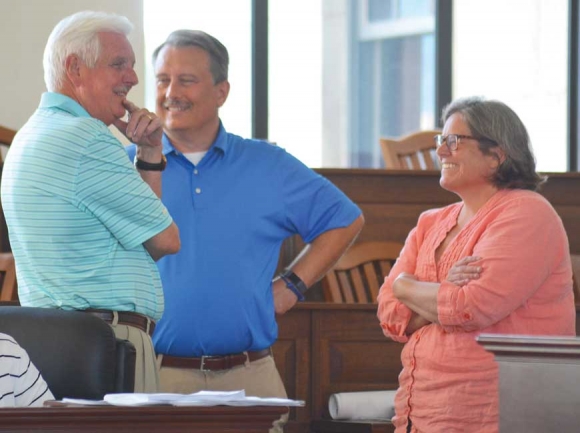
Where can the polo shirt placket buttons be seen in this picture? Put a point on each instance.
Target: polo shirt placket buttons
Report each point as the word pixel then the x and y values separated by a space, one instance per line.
pixel 196 172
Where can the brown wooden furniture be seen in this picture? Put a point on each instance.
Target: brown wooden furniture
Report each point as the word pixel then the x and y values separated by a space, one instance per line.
pixel 538 382
pixel 392 201
pixel 414 152
pixel 4 242
pixel 153 419
pixel 326 348
pixel 8 271
pixel 331 426
pixel 6 135
pixel 358 275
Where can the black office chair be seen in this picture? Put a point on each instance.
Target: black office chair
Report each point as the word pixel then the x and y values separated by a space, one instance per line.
pixel 77 353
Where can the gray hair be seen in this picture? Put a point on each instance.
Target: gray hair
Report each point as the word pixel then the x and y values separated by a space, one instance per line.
pixel 219 58
pixel 78 34
pixel 495 124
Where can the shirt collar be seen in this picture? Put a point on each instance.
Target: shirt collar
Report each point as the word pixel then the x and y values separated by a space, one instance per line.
pixel 62 102
pixel 221 142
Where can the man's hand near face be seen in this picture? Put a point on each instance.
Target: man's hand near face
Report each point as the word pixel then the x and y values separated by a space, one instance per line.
pixel 144 129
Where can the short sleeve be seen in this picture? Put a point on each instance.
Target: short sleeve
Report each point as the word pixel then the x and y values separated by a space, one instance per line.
pixel 313 204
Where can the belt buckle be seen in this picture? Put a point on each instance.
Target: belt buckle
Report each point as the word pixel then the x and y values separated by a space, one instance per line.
pixel 202 364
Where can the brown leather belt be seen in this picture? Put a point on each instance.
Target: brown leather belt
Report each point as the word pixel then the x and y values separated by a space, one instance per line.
pixel 129 318
pixel 214 363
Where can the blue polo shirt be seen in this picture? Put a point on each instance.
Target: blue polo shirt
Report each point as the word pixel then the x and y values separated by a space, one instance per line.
pixel 234 209
pixel 78 213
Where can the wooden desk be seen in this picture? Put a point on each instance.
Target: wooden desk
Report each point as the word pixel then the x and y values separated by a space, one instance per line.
pixel 152 419
pixel 327 348
pixel 538 382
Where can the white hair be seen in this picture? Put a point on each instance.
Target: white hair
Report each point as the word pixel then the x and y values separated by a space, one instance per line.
pixel 78 34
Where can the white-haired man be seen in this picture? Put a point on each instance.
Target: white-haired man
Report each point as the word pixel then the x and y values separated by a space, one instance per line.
pixel 84 225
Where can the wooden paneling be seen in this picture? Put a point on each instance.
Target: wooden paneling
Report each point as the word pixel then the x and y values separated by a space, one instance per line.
pixel 337 348
pixel 292 353
pixel 392 201
pixel 352 354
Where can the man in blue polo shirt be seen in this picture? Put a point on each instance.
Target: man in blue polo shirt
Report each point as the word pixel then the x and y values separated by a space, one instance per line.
pixel 234 200
pixel 85 226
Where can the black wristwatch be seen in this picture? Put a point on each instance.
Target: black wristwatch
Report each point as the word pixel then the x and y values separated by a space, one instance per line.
pixel 148 166
pixel 294 283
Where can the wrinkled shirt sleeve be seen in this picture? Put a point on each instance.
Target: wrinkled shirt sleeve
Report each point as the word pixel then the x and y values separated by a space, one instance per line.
pixel 393 315
pixel 520 248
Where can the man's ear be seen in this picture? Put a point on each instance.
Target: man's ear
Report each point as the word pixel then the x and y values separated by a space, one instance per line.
pixel 223 90
pixel 72 66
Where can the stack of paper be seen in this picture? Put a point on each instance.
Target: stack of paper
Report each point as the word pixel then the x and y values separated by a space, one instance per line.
pixel 201 398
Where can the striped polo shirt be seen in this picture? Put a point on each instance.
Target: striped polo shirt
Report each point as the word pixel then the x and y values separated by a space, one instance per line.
pixel 78 213
pixel 21 385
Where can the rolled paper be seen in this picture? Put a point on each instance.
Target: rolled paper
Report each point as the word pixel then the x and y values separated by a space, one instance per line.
pixel 367 405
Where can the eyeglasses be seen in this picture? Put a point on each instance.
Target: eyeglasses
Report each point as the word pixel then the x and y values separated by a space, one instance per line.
pixel 452 140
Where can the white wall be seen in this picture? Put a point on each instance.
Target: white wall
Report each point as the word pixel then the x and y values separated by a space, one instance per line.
pixel 25 27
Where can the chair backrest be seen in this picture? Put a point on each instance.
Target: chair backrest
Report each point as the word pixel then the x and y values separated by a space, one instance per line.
pixel 8 291
pixel 413 152
pixel 76 353
pixel 360 272
pixel 6 135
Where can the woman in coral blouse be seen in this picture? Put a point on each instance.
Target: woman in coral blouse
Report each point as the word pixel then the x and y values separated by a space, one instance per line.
pixel 498 261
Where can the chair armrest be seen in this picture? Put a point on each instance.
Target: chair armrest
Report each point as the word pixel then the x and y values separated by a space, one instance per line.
pixel 126 356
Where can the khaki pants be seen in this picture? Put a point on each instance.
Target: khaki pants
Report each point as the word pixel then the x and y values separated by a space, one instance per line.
pixel 146 370
pixel 259 378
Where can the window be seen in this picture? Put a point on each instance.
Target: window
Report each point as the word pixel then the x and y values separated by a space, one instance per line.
pixel 517 51
pixel 230 22
pixel 295 78
pixel 385 83
pixel 343 73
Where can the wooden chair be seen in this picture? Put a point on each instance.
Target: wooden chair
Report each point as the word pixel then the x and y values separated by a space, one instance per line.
pixel 360 272
pixel 7 268
pixel 6 135
pixel 412 152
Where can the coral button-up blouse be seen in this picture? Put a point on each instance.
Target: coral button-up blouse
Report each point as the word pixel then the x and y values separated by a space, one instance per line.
pixel 449 383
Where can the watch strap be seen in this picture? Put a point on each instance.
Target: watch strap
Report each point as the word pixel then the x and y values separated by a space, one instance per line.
pixel 294 283
pixel 149 166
